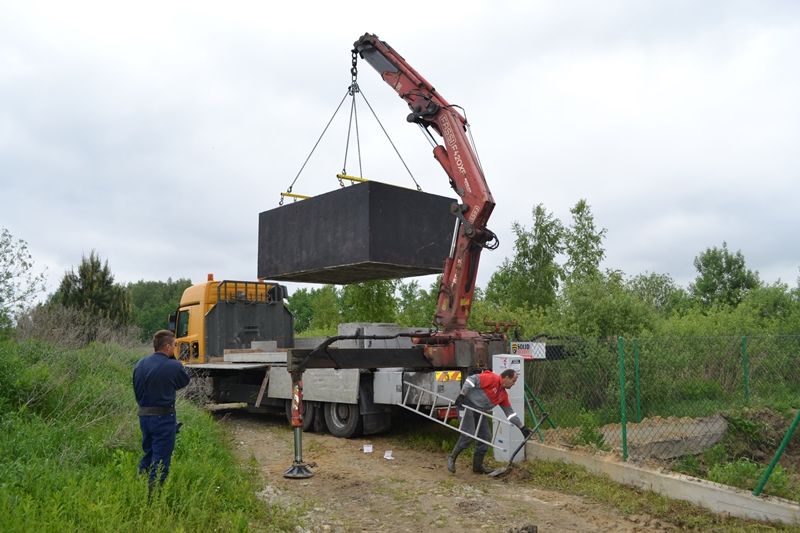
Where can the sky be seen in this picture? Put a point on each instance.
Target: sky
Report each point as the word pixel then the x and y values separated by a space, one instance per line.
pixel 155 132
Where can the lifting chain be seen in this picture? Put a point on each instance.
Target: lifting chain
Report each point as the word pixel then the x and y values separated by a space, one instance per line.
pixel 351 91
pixel 354 73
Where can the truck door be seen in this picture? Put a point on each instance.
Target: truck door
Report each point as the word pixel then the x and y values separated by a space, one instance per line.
pixel 187 342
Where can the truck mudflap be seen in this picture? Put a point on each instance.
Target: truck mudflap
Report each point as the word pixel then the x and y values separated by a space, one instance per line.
pixel 376 418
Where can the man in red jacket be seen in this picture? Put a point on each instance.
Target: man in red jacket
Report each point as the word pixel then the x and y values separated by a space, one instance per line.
pixel 482 392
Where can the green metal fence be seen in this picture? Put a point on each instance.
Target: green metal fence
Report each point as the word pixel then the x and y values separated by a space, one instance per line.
pixel 678 391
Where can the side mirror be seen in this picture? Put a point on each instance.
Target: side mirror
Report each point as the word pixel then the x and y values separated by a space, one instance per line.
pixel 173 317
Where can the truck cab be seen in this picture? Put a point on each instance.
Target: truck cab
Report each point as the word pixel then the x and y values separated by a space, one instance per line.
pixel 218 315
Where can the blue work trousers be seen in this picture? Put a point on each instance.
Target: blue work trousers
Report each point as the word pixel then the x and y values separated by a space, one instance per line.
pixel 158 442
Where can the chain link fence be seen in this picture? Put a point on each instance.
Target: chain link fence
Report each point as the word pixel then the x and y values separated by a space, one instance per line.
pixel 677 391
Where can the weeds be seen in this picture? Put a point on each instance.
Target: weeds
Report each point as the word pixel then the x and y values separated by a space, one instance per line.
pixel 589 434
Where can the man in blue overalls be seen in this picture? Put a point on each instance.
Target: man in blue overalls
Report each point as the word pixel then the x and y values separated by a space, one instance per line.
pixel 155 380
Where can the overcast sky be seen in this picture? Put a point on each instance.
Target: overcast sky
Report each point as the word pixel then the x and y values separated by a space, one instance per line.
pixel 155 132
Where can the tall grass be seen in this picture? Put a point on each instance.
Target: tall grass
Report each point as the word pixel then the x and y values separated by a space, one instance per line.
pixel 69 449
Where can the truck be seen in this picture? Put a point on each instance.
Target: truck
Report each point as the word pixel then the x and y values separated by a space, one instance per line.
pixel 237 335
pixel 372 364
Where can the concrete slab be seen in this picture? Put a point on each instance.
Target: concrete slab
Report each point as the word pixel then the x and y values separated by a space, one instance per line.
pixel 713 496
pixel 256 357
pixel 654 437
pixel 226 366
pixel 264 346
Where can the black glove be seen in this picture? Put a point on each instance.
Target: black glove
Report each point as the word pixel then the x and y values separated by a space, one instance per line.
pixel 525 432
pixel 460 401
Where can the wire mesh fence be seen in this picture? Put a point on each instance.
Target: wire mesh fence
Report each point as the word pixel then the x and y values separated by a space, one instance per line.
pixel 678 391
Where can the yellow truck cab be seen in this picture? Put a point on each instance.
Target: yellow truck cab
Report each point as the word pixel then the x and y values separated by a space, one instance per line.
pixel 217 315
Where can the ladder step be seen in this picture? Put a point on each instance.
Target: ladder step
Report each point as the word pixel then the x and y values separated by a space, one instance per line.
pixel 440 398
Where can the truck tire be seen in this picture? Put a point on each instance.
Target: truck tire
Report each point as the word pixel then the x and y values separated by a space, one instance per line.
pixel 309 411
pixel 343 419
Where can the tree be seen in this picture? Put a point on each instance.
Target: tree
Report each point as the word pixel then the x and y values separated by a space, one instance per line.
pixel 327 308
pixel 659 291
pixel 415 306
pixel 369 301
pixel 601 305
pixel 583 243
pixel 152 302
pixel 722 277
pixel 530 279
pixel 93 291
pixel 19 284
pixel 300 304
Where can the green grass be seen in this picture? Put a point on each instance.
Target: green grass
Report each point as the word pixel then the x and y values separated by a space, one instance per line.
pixel 69 449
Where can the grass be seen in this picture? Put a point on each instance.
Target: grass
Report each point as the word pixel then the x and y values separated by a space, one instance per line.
pixel 69 449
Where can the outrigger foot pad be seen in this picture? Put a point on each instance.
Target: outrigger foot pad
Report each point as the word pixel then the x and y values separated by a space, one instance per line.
pixel 298 471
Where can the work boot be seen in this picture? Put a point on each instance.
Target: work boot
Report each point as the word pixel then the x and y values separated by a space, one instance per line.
pixel 477 464
pixel 451 461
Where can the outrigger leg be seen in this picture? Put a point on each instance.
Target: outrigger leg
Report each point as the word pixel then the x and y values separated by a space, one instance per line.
pixel 299 469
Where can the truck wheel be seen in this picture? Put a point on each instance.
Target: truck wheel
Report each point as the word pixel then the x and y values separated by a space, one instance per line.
pixel 309 411
pixel 343 419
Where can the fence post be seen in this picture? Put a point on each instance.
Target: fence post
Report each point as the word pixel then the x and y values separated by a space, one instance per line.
pixel 746 370
pixel 636 380
pixel 784 443
pixel 623 413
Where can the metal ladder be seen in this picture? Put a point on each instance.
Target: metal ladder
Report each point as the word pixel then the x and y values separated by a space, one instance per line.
pixel 440 401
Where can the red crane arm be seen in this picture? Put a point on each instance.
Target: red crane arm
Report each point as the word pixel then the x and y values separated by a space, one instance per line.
pixel 460 163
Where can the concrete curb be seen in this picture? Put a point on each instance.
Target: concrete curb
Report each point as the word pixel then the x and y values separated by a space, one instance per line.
pixel 712 496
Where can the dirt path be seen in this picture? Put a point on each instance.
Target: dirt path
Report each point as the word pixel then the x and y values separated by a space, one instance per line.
pixel 356 491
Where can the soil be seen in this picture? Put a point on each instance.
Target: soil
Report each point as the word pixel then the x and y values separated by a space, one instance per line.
pixel 356 491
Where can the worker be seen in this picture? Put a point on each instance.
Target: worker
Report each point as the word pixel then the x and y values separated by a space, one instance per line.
pixel 155 380
pixel 481 392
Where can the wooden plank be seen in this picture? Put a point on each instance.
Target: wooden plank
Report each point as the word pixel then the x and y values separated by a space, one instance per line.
pixel 263 388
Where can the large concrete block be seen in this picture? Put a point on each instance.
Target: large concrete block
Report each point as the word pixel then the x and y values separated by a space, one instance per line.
pixel 361 232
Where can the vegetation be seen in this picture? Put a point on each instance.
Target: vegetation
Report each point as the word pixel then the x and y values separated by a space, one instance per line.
pixel 92 290
pixel 69 449
pixel 723 277
pixel 531 278
pixel 152 302
pixel 19 282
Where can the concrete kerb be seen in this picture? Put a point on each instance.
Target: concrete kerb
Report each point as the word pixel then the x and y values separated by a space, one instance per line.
pixel 713 496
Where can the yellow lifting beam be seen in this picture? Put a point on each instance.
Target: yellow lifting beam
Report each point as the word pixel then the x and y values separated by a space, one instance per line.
pixel 293 195
pixel 351 178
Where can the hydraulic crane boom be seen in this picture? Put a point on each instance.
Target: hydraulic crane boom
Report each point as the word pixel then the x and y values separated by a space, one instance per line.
pixel 460 163
pixel 453 345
